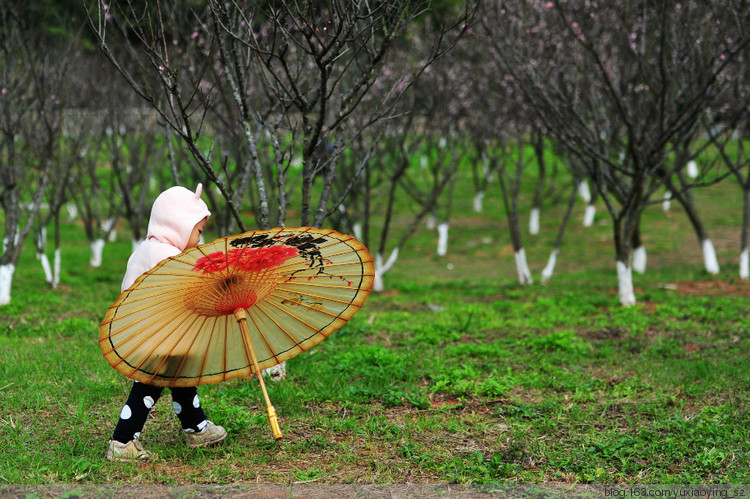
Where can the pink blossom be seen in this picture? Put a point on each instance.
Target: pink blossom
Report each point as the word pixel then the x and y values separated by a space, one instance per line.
pixel 548 5
pixel 194 35
pixel 5 91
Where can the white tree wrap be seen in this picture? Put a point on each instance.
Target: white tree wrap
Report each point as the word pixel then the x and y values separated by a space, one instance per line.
pixel 709 257
pixel 6 279
pixel 549 269
pixel 639 259
pixel 625 284
pixel 524 274
pixel 97 248
pixel 442 239
pixel 534 221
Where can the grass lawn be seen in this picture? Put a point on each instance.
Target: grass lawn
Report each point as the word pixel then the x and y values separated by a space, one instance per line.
pixel 454 374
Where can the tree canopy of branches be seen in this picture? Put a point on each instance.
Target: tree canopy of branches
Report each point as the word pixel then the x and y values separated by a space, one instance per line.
pixel 619 83
pixel 276 82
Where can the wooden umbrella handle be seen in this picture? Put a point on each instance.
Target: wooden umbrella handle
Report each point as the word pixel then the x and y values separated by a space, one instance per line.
pixel 241 317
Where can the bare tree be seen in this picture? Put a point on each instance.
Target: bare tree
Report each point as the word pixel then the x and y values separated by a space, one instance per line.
pixel 276 80
pixel 509 160
pixel 729 133
pixel 33 71
pixel 620 84
pixel 92 190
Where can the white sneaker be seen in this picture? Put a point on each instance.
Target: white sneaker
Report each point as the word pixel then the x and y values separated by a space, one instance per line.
pixel 126 453
pixel 211 434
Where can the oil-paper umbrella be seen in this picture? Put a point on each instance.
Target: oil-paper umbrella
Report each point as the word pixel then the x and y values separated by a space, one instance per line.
pixel 236 306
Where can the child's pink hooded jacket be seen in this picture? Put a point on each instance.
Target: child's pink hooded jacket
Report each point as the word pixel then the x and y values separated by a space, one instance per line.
pixel 173 217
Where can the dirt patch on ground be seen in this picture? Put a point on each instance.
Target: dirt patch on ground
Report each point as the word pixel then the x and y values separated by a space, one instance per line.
pixel 734 287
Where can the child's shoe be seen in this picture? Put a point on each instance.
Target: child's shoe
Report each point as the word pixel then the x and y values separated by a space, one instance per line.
pixel 131 451
pixel 211 434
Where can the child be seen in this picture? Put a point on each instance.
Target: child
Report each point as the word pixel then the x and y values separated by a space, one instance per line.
pixel 178 218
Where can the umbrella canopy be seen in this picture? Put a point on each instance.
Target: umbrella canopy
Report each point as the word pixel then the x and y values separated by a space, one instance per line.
pixel 235 306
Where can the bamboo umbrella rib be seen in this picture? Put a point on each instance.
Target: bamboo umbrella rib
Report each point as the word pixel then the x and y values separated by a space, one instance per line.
pixel 223 246
pixel 206 352
pixel 264 338
pixel 224 360
pixel 120 327
pixel 324 271
pixel 301 263
pixel 288 313
pixel 187 279
pixel 143 340
pixel 310 326
pixel 166 356
pixel 310 295
pixel 297 285
pixel 162 298
pixel 302 282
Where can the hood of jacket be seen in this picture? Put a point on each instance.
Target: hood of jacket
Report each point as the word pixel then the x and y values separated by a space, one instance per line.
pixel 173 217
pixel 174 214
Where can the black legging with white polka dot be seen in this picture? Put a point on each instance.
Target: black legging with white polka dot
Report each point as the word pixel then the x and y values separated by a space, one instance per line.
pixel 143 397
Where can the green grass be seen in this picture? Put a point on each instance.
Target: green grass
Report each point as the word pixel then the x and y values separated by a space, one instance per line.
pixel 454 375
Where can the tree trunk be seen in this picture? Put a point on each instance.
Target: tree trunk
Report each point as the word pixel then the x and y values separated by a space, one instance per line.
pixel 536 204
pixel 683 196
pixel 744 253
pixel 639 252
pixel 510 195
pixel 442 239
pixel 624 258
pixel 549 269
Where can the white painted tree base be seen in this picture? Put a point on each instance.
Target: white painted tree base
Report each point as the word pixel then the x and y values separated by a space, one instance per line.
pixel 625 284
pixel 107 225
pixel 534 222
pixel 588 215
pixel 479 202
pixel 431 222
pixel 56 269
pixel 666 203
pixel 46 267
pixel 6 279
pixel 692 169
pixel 639 259
pixel 549 269
pixel 584 192
pixel 97 248
pixel 745 264
pixel 72 210
pixel 382 268
pixel 442 249
pixel 709 257
pixel 522 267
pixel 357 229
